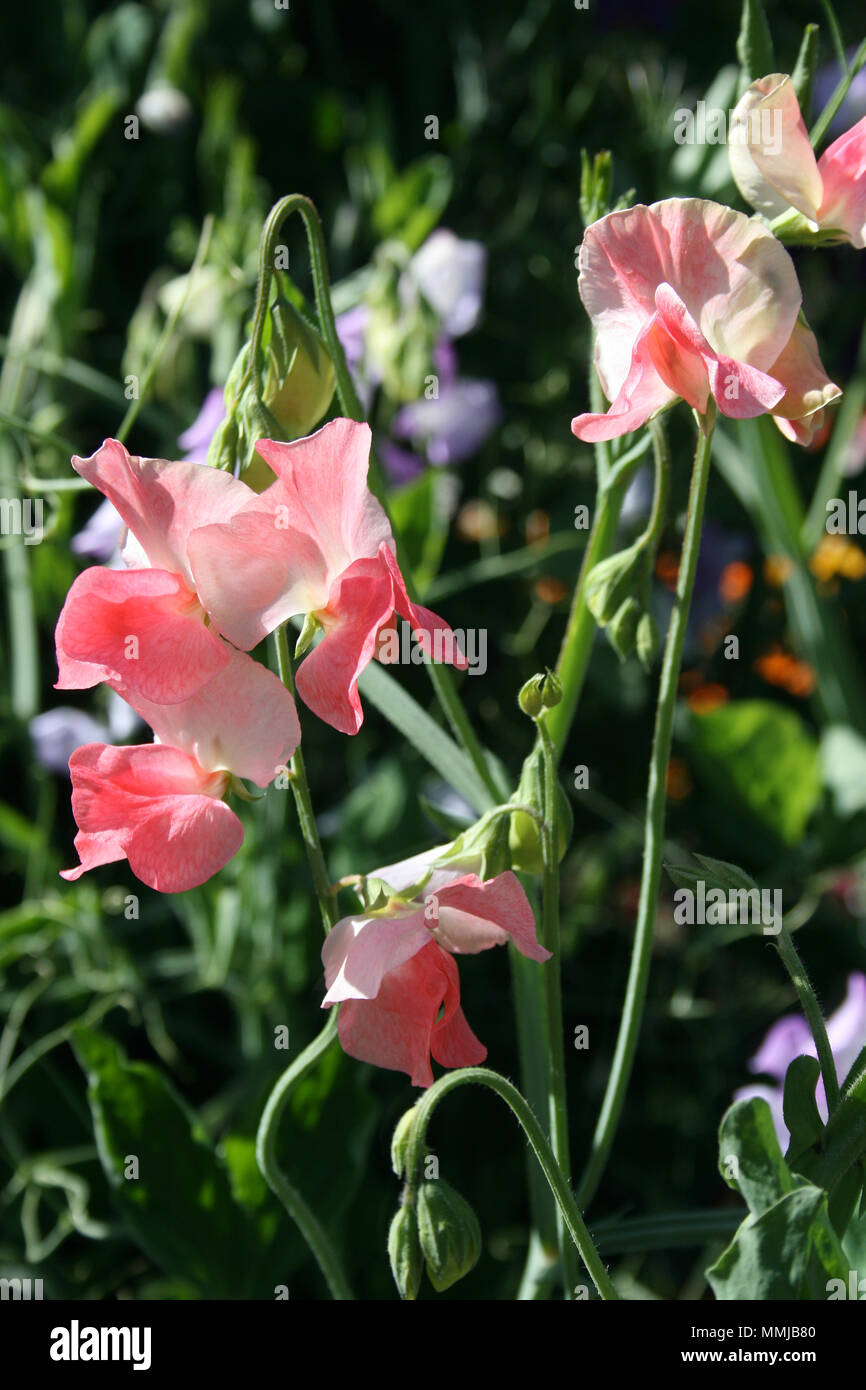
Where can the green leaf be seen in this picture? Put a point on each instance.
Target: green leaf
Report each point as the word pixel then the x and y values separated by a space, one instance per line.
pixel 762 758
pixel 417 726
pixel 180 1208
pixel 750 1159
pixel 799 1107
pixel 804 70
pixel 754 44
pixel 714 873
pixel 788 1252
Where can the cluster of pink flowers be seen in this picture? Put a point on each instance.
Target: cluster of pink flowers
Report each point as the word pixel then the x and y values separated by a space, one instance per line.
pixel 212 567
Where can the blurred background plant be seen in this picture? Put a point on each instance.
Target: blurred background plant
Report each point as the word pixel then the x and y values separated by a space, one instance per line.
pixel 442 147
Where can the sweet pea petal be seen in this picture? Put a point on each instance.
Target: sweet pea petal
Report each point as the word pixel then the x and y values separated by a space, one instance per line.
pixel 425 625
pixel 243 721
pixel 360 951
pixel 642 395
pixel 173 654
pixel 252 574
pixel 771 157
pixel 398 1029
pixel 322 484
pixel 807 387
pixel 472 915
pixel 154 806
pixel 361 601
pixel 162 501
pixel 842 167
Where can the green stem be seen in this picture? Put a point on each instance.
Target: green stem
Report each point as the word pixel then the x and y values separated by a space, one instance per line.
pixel 557 1104
pixel 559 1184
pixel 626 1044
pixel 308 1224
pixel 303 800
pixel 791 960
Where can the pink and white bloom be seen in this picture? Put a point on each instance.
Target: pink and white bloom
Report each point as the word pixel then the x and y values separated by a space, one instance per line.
pixel 775 168
pixel 144 630
pixel 689 299
pixel 393 971
pixel 315 542
pixel 160 805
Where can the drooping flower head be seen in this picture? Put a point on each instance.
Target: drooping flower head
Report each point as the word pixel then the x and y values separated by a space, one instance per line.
pixel 689 299
pixel 160 805
pixel 392 971
pixel 775 168
pixel 315 542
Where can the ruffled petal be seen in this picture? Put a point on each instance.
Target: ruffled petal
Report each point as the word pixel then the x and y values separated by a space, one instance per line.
pixel 808 389
pixel 642 395
pixel 472 915
pixel 243 721
pixel 435 638
pixel 142 631
pixel 162 501
pixel 155 806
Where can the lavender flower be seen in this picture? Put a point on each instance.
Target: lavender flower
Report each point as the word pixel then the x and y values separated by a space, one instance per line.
pixel 790 1038
pixel 450 273
pixel 196 440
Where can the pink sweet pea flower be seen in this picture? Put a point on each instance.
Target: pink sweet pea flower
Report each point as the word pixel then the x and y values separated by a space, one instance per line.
pixel 142 630
pixel 160 805
pixel 775 169
pixel 689 299
pixel 393 972
pixel 315 542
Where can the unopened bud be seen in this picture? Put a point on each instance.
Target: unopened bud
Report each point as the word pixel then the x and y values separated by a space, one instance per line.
pixel 449 1233
pixel 404 1253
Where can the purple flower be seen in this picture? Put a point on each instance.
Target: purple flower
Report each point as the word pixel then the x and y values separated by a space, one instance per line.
pixel 450 274
pixel 58 732
pixel 853 108
pixel 790 1038
pixel 100 536
pixel 400 464
pixel 454 425
pixel 196 440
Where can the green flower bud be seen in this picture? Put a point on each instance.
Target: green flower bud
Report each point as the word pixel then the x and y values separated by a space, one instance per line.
pixel 524 837
pixel 622 629
pixel 612 581
pixel 299 379
pixel 551 689
pixel 404 1253
pixel 449 1233
pixel 647 641
pixel 529 698
pixel 223 448
pixel 400 1140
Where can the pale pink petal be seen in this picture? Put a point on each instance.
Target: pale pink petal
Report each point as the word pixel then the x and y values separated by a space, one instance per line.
pixel 842 167
pixel 360 951
pixel 322 481
pixel 142 631
pixel 253 573
pixel 453 1043
pixel 435 638
pixel 807 387
pixel 157 807
pixel 642 395
pixel 162 501
pixel 327 679
pixel 471 915
pixel 771 157
pixel 243 721
pixel 735 279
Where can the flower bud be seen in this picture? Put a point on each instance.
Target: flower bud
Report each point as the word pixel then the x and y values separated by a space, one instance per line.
pixel 529 698
pixel 647 641
pixel 400 1140
pixel 299 380
pixel 612 581
pixel 524 837
pixel 404 1252
pixel 622 629
pixel 449 1233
